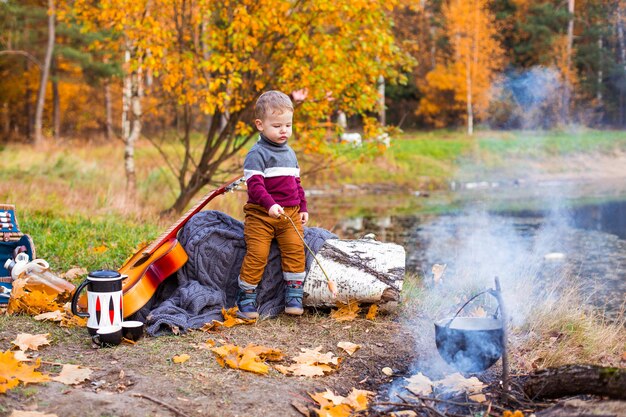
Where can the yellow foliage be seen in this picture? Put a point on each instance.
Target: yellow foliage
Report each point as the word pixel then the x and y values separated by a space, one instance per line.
pixel 225 52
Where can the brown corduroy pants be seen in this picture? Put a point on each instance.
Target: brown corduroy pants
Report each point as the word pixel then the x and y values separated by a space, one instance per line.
pixel 259 230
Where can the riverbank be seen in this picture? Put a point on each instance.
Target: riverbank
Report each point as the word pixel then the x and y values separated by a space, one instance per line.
pixel 70 200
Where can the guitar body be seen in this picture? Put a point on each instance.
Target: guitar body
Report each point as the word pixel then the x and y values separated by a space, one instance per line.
pixel 146 273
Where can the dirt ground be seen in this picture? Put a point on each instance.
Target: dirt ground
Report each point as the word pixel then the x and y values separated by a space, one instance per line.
pixel 127 377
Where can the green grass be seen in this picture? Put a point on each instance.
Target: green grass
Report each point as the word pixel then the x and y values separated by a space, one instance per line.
pixel 76 241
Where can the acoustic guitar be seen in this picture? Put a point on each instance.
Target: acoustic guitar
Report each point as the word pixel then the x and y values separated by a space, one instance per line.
pixel 150 266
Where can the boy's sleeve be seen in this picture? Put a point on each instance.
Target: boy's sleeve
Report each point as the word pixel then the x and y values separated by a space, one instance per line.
pixel 253 171
pixel 303 208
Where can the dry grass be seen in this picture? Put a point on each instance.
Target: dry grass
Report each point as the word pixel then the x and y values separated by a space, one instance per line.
pixel 565 330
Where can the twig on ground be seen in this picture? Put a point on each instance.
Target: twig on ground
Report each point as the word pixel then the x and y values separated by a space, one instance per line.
pixel 457 403
pixel 161 403
pixel 426 406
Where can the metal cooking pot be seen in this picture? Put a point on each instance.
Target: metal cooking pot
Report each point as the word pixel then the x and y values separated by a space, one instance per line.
pixel 471 344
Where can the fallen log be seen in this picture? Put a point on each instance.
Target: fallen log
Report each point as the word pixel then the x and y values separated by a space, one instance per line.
pixel 365 271
pixel 576 380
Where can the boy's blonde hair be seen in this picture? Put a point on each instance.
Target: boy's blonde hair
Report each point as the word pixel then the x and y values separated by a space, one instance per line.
pixel 272 102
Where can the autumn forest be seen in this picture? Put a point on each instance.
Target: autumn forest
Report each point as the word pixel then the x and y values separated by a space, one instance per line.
pixel 165 70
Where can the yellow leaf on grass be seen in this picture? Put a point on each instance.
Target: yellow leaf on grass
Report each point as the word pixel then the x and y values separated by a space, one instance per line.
pixel 250 358
pixel 99 249
pixel 313 356
pixel 349 347
pixel 22 413
pixel 181 358
pixel 252 363
pixel 346 312
pixel 74 273
pixel 230 319
pixel 12 371
pixel 27 341
pixel 266 353
pixel 342 410
pixel 372 312
pixel 72 374
pixel 55 315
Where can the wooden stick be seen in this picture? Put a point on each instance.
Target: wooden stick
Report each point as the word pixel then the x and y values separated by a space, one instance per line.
pixel 161 403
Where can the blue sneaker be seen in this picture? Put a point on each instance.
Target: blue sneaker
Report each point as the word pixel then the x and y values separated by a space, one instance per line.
pixel 293 298
pixel 246 303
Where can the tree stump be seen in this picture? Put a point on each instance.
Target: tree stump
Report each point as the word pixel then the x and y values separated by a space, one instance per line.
pixel 575 380
pixel 365 270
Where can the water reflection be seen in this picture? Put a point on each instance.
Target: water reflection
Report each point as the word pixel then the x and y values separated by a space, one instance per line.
pixel 586 241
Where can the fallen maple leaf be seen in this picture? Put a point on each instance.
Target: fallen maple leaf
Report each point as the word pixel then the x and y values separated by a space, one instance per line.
pixel 27 341
pixel 349 347
pixel 74 273
pixel 181 358
pixel 72 374
pixel 420 384
pixel 12 371
pixel 55 315
pixel 248 359
pixel 230 319
pixel 251 362
pixel 346 312
pixel 314 356
pixel 372 312
pixel 358 399
pixel 22 413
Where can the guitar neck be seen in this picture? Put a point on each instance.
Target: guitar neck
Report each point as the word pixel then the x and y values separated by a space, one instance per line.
pixel 173 230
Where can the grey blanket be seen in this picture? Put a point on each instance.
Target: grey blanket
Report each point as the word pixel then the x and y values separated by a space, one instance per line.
pixel 207 283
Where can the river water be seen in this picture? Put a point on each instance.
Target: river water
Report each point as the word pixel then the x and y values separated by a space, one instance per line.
pixel 569 231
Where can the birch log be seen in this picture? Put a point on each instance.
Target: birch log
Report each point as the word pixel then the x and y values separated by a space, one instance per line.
pixel 365 270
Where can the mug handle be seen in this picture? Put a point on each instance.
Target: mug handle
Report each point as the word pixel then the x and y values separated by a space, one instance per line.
pixel 75 300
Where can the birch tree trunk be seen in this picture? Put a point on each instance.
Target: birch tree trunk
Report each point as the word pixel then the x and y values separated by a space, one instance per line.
pixel 382 116
pixel 131 124
pixel 108 111
pixel 45 72
pixel 364 270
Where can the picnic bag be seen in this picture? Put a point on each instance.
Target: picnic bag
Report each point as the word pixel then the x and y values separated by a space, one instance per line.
pixel 12 241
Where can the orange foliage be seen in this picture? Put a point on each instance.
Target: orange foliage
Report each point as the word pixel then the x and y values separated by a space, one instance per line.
pixel 466 75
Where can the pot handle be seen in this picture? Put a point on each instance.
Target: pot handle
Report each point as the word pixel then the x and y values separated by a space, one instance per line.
pixel 489 291
pixel 75 300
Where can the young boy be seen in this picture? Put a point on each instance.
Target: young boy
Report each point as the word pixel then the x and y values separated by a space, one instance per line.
pixel 273 177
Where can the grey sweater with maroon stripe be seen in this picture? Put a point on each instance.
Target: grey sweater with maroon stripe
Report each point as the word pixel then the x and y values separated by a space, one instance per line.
pixel 273 175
